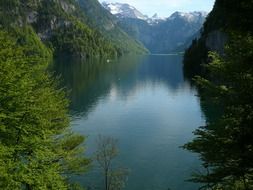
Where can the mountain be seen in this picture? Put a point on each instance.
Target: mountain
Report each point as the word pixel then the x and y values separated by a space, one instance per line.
pixel 60 24
pixel 188 42
pixel 177 30
pixel 107 24
pixel 225 17
pixel 158 35
pixel 65 27
pixel 191 17
pixel 155 19
pixel 123 10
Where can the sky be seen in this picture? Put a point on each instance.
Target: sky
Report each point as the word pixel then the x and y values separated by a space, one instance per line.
pixel 165 8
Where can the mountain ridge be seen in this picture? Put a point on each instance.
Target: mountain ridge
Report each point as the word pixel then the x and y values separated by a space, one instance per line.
pixel 107 24
pixel 65 27
pixel 159 35
pixel 124 10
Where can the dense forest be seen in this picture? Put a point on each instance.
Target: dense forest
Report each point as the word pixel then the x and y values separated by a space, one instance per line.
pixel 63 27
pixel 37 148
pixel 223 57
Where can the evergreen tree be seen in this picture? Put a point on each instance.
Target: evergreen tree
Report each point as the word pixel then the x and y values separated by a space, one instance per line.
pixel 37 149
pixel 225 145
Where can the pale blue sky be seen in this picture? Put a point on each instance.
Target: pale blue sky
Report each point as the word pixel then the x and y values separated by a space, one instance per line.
pixel 165 8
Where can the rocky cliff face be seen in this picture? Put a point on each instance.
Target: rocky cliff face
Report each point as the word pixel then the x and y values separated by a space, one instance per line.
pixel 61 24
pixel 72 26
pixel 46 16
pixel 227 16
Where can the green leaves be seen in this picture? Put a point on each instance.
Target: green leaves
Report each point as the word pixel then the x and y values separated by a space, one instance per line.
pixel 36 148
pixel 225 144
pixel 78 39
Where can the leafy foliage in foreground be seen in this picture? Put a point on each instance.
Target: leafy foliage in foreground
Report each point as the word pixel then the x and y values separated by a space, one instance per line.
pixel 225 145
pixel 37 150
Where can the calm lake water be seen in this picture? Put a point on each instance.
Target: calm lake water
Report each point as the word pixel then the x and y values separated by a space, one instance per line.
pixel 147 105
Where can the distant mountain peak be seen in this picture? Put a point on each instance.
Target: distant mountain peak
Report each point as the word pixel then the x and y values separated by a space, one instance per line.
pixel 189 16
pixel 155 19
pixel 124 10
pixel 155 16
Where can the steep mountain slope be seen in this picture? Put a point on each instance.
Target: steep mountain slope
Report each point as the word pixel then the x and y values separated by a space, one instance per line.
pixel 176 30
pixel 63 26
pixel 123 10
pixel 59 23
pixel 188 42
pixel 225 17
pixel 159 35
pixel 106 23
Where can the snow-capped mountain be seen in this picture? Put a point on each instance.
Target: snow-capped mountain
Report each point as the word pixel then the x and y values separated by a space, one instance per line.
pixel 123 10
pixel 159 35
pixel 155 19
pixel 195 16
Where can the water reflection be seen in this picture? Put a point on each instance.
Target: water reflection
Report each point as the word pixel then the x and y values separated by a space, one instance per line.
pixel 146 104
pixel 89 81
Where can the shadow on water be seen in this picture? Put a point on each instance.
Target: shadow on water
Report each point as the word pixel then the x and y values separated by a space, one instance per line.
pixel 144 102
pixel 90 80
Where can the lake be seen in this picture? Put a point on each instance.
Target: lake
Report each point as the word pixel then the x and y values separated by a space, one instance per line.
pixel 148 106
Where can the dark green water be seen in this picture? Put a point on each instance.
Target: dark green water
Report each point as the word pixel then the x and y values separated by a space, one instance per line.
pixel 146 104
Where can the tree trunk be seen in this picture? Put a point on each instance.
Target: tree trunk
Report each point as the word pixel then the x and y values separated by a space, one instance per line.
pixel 106 180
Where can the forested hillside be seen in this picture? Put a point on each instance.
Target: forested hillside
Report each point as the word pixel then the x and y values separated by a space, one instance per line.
pixel 164 36
pixel 226 17
pixel 223 56
pixel 63 26
pixel 107 24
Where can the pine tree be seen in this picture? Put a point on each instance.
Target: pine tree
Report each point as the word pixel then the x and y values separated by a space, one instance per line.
pixel 225 145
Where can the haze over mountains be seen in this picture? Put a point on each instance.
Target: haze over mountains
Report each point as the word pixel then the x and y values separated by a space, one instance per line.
pixel 159 35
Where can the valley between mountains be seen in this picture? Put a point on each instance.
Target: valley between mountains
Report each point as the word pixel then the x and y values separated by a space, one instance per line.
pixel 159 35
pixel 99 96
